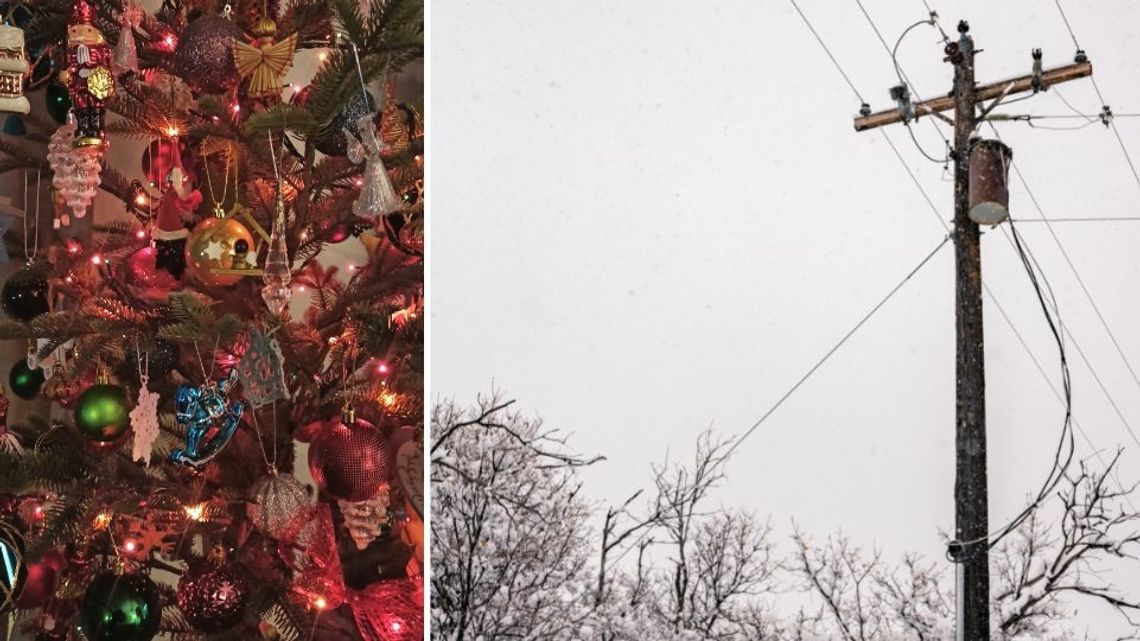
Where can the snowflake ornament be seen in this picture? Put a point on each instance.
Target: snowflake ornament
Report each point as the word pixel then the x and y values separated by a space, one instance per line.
pixel 144 423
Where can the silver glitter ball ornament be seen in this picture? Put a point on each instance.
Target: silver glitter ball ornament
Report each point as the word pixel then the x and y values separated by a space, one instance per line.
pixel 276 500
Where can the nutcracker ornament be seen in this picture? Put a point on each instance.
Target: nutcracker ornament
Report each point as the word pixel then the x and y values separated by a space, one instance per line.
pixel 89 79
pixel 264 61
pixel 13 68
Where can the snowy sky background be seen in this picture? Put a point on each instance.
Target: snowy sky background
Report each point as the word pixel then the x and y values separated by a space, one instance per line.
pixel 652 217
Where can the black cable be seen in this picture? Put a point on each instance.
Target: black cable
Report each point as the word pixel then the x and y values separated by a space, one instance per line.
pixel 836 347
pixel 835 62
pixel 903 79
pixel 1067 25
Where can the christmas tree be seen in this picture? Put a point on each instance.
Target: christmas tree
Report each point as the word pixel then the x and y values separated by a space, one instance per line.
pixel 200 321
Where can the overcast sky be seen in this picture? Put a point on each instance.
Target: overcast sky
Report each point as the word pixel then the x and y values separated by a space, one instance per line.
pixel 652 217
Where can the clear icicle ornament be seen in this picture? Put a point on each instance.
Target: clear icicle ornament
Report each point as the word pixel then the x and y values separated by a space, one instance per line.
pixel 276 272
pixel 377 196
pixel 125 56
pixel 76 169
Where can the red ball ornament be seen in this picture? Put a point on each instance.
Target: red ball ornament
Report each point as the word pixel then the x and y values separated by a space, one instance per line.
pixel 144 275
pixel 213 595
pixel 163 155
pixel 42 577
pixel 350 459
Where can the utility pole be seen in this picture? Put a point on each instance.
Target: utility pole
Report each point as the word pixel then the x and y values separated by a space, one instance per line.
pixel 971 549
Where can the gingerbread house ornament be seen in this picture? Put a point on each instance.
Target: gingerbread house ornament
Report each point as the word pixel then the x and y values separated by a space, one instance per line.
pixel 13 67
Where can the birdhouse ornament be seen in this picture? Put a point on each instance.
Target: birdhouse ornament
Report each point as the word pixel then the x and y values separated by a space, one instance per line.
pixel 13 67
pixel 89 79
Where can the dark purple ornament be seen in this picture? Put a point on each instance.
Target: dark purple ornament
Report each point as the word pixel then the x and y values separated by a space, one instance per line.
pixel 212 596
pixel 204 56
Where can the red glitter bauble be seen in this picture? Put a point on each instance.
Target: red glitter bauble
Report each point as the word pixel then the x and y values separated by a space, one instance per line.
pixel 40 585
pixel 144 274
pixel 350 460
pixel 212 597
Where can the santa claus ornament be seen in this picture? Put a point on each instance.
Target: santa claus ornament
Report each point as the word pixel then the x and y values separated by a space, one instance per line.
pixel 178 202
pixel 88 75
pixel 13 67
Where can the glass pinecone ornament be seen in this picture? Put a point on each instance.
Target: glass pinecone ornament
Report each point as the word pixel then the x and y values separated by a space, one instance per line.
pixel 213 595
pixel 121 608
pixel 277 500
pixel 204 56
pixel 350 459
pixel 77 169
pixel 25 295
pixel 25 381
pixel 102 413
pixel 365 520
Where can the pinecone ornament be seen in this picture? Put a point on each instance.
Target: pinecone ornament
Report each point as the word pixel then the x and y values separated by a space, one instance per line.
pixel 365 520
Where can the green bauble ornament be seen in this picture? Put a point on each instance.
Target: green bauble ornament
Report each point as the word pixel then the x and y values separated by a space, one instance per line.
pixel 121 608
pixel 101 413
pixel 58 102
pixel 25 381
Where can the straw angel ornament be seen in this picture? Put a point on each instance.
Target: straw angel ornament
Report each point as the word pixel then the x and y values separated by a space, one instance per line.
pixel 264 61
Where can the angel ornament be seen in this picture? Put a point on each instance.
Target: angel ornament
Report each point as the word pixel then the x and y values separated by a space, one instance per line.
pixel 125 57
pixel 264 61
pixel 377 197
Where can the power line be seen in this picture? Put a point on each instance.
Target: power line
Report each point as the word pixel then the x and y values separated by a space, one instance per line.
pixel 836 347
pixel 1088 296
pixel 893 53
pixel 1097 219
pixel 1103 102
pixel 1067 25
pixel 1100 383
pixel 835 62
pixel 1057 329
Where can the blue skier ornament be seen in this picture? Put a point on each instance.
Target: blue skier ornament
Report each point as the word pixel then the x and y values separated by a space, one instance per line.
pixel 205 411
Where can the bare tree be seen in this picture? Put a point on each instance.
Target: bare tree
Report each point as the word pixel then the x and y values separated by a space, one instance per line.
pixel 1040 568
pixel 509 542
pixel 514 555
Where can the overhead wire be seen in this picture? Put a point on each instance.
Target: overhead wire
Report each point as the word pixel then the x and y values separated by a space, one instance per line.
pixel 835 62
pixel 1100 96
pixel 1058 330
pixel 1088 296
pixel 862 321
pixel 1059 467
pixel 905 80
